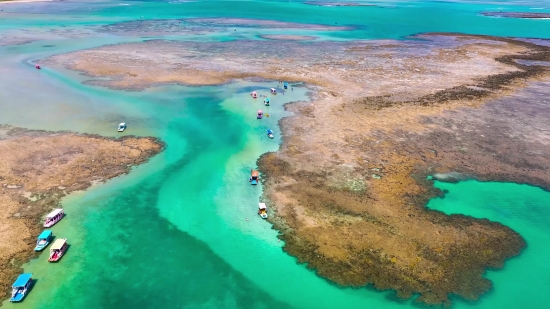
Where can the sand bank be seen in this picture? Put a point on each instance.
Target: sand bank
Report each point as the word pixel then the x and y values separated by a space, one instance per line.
pixel 25 1
pixel 349 186
pixel 38 168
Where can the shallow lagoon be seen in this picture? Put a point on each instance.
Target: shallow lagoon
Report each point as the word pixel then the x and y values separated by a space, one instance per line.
pixel 173 233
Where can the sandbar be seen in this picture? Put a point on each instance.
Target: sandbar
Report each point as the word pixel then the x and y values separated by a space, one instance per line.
pixel 25 1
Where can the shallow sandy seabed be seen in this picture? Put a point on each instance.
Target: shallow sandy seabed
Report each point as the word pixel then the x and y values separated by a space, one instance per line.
pixel 349 186
pixel 288 37
pixel 38 168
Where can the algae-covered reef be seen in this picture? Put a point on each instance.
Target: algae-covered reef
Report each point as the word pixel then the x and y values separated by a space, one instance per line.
pixel 348 187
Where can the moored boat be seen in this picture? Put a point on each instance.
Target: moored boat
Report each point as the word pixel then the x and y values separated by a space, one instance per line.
pixel 273 91
pixel 20 287
pixel 58 249
pixel 254 94
pixel 285 85
pixel 266 101
pixel 270 134
pixel 254 177
pixel 54 217
pixel 43 240
pixel 259 114
pixel 122 127
pixel 262 210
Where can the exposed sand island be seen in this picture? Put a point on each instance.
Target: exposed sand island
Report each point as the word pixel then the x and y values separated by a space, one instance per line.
pixel 287 37
pixel 518 15
pixel 349 186
pixel 38 168
pixel 323 3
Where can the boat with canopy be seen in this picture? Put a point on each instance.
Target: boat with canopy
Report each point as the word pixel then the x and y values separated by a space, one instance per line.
pixel 20 287
pixel 262 210
pixel 58 249
pixel 53 217
pixel 43 240
pixel 259 114
pixel 254 177
pixel 122 127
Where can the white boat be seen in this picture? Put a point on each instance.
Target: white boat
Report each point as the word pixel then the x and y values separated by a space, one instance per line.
pixel 262 210
pixel 121 127
pixel 54 217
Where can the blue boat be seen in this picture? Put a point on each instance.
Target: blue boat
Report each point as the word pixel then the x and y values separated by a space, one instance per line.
pixel 43 240
pixel 254 177
pixel 270 133
pixel 20 287
pixel 266 101
pixel 285 85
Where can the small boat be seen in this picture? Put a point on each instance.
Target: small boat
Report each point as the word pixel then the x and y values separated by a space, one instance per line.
pixel 37 67
pixel 273 91
pixel 20 287
pixel 54 217
pixel 262 210
pixel 266 101
pixel 254 94
pixel 121 127
pixel 270 134
pixel 43 240
pixel 259 114
pixel 285 85
pixel 58 249
pixel 254 177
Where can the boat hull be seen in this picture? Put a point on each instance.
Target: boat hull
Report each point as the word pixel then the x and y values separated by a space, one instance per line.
pixel 56 257
pixel 41 247
pixel 51 223
pixel 18 297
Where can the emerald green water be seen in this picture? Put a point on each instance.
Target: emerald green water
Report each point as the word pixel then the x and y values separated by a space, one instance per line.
pixel 173 233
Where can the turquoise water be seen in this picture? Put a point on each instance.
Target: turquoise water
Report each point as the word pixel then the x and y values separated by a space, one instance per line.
pixel 173 233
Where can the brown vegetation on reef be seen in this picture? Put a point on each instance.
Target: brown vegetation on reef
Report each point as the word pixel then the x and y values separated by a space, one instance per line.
pixel 38 168
pixel 348 187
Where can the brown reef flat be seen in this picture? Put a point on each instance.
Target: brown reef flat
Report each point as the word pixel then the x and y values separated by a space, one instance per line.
pixel 38 168
pixel 348 187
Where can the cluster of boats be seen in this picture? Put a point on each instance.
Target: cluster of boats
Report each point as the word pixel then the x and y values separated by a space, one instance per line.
pixel 267 102
pixel 262 208
pixel 22 285
pixel 254 174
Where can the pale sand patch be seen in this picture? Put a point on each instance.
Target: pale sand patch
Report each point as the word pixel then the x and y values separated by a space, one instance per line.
pixel 26 1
